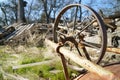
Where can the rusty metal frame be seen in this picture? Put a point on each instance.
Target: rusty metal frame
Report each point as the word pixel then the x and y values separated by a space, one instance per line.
pixel 101 72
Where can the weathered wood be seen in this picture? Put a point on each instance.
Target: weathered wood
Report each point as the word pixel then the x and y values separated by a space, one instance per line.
pixel 114 68
pixel 92 67
pixel 76 68
pixel 14 33
pixel 19 31
pixel 115 50
pixel 32 64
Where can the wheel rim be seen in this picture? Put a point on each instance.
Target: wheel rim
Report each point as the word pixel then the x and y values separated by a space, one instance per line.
pixel 82 41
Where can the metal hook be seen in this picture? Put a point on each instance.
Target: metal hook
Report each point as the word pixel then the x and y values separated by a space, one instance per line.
pixel 63 61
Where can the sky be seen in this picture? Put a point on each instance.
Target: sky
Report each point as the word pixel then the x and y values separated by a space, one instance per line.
pixel 3 0
pixel 98 4
pixel 0 2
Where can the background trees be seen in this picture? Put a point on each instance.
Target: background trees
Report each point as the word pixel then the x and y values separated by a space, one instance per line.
pixel 21 13
pixel 45 10
pixel 8 12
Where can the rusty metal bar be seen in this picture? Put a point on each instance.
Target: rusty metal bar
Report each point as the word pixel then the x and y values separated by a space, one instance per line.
pixel 63 62
pixel 91 67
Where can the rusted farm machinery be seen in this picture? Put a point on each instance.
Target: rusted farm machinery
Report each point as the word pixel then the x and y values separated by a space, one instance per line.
pixel 80 29
pixel 75 30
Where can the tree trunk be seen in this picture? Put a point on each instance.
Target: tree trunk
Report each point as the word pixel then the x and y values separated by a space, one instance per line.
pixel 16 17
pixel 46 10
pixel 80 10
pixel 21 14
pixel 6 21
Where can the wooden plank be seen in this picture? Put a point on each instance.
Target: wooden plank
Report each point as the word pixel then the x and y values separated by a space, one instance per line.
pixel 92 67
pixel 32 64
pixel 19 30
pixel 13 33
pixel 76 68
pixel 22 29
pixel 115 50
pixel 30 26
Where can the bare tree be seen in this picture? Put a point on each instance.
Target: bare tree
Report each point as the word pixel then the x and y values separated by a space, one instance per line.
pixel 4 12
pixel 10 11
pixel 21 14
pixel 30 10
pixel 80 1
pixel 14 8
pixel 50 6
pixel 33 11
pixel 47 8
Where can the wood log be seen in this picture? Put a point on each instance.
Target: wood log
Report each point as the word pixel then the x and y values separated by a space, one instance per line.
pixel 32 64
pixel 92 67
pixel 115 50
pixel 76 68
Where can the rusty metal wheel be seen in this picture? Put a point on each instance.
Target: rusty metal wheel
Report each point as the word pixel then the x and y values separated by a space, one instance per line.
pixel 81 29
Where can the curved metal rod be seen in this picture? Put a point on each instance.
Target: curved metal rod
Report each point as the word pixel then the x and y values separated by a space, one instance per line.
pixel 63 62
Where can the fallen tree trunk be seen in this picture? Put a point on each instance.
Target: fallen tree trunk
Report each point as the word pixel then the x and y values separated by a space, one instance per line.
pixel 94 68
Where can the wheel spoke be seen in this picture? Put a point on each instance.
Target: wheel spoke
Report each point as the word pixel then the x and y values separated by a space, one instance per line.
pixel 80 24
pixel 61 33
pixel 86 53
pixel 65 22
pixel 87 25
pixel 92 45
pixel 78 50
pixel 75 18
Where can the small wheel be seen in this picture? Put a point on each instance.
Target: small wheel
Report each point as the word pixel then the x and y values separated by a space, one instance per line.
pixel 83 26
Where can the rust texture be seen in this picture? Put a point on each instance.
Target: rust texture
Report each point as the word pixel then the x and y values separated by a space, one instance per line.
pixel 93 69
pixel 76 37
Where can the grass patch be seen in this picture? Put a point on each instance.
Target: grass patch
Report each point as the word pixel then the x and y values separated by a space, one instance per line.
pixel 43 71
pixel 32 73
pixel 4 56
pixel 27 59
pixel 1 76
